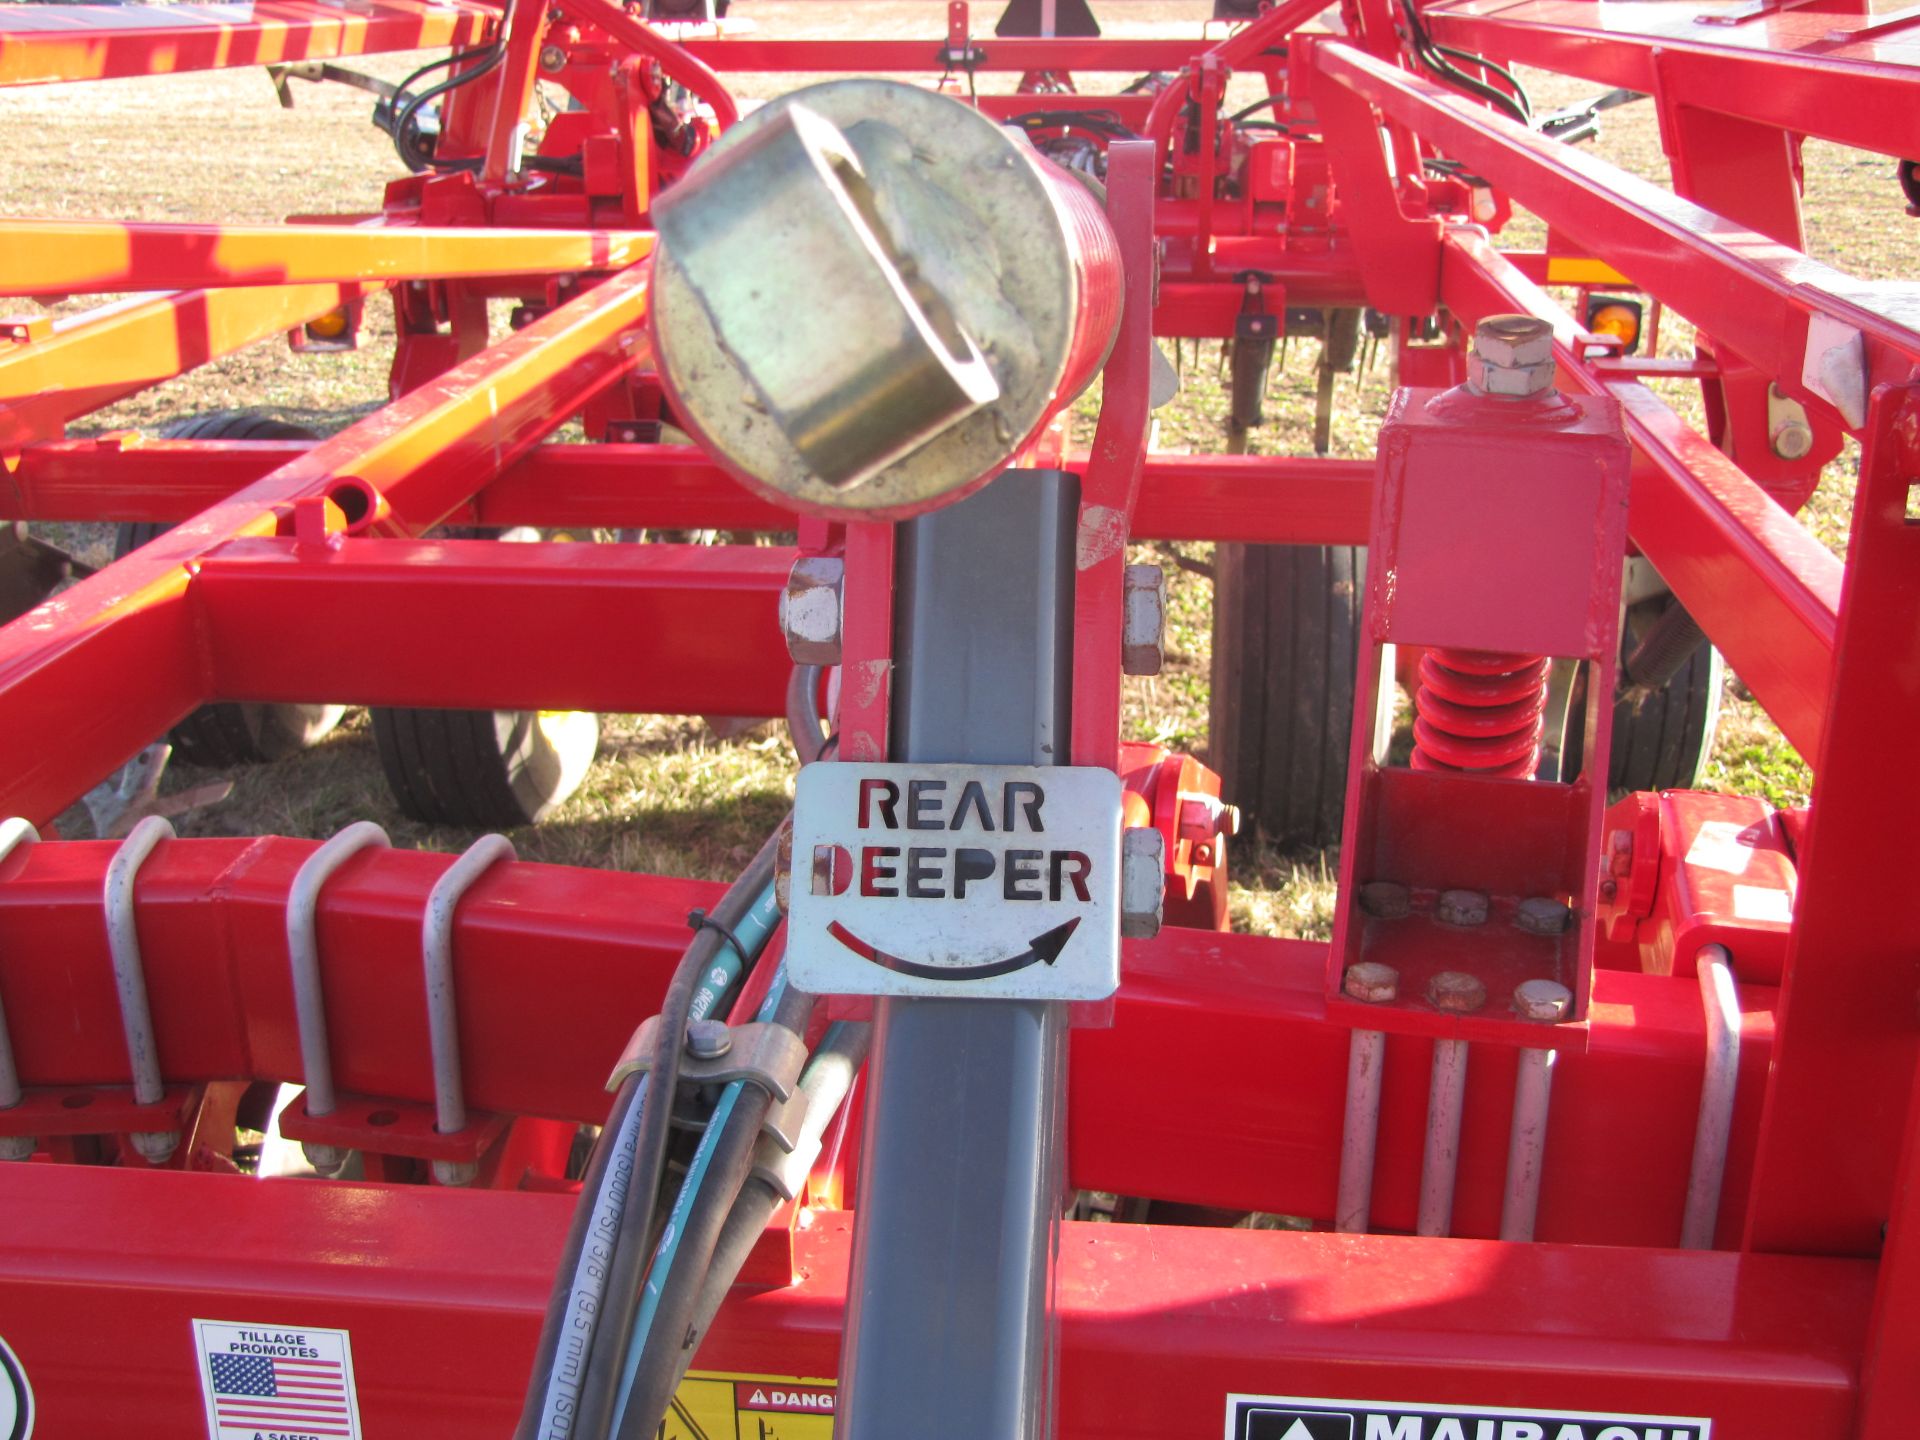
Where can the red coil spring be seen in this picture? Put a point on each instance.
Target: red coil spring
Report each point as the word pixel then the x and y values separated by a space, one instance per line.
pixel 1480 711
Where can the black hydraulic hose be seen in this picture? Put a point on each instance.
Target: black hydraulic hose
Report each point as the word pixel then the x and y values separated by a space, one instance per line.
pixel 489 59
pixel 803 717
pixel 671 1347
pixel 546 1353
pixel 1491 67
pixel 633 1248
pixel 1432 57
pixel 826 1083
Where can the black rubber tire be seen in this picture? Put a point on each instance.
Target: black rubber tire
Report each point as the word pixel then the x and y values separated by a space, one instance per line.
pixel 1286 634
pixel 1663 742
pixel 231 732
pixel 484 769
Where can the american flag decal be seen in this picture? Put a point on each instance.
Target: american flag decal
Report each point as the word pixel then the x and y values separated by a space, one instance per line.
pixel 278 1380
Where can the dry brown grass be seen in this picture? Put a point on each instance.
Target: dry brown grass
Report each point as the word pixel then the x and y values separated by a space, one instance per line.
pixel 665 795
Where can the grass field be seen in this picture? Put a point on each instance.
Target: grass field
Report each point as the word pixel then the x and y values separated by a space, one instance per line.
pixel 665 795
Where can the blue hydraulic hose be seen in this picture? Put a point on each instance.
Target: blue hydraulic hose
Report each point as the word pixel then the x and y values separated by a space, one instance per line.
pixel 668 1249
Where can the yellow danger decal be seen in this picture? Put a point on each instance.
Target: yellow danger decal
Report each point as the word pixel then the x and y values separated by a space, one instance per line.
pixel 711 1406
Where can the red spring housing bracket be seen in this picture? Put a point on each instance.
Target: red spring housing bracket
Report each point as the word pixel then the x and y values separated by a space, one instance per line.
pixel 1499 526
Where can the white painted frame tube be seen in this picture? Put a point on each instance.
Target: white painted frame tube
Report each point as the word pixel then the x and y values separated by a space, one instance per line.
pixel 1441 1164
pixel 1366 1054
pixel 1527 1144
pixel 1721 1000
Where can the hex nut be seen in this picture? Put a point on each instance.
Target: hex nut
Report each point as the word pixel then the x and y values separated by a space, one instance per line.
pixel 1457 991
pixel 1792 439
pixel 325 1159
pixel 1512 355
pixel 1143 633
pixel 455 1172
pixel 1543 1000
pixel 708 1039
pixel 1542 915
pixel 1143 882
pixel 1461 907
pixel 16 1147
pixel 553 59
pixel 1386 900
pixel 156 1147
pixel 810 609
pixel 1371 982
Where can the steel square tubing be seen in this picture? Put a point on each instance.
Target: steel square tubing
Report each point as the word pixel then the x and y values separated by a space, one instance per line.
pixel 44 43
pixel 73 257
pixel 1751 292
pixel 112 662
pixel 1157 1324
pixel 542 950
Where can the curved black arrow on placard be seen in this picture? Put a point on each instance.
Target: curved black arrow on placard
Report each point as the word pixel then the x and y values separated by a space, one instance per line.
pixel 1045 947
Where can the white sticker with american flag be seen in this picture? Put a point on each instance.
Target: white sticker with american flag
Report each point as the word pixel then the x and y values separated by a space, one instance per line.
pixel 276 1382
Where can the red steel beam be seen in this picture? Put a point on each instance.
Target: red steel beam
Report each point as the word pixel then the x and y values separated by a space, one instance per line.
pixel 1802 70
pixel 1158 1324
pixel 1257 499
pixel 737 54
pixel 40 44
pixel 1760 294
pixel 56 371
pixel 112 662
pixel 470 624
pixel 546 950
pixel 1761 585
pixel 62 257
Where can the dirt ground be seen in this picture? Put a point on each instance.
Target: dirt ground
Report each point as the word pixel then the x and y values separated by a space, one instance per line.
pixel 665 795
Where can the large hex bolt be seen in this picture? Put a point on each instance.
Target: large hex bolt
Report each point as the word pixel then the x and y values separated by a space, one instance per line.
pixel 1143 633
pixel 1512 355
pixel 1143 882
pixel 810 609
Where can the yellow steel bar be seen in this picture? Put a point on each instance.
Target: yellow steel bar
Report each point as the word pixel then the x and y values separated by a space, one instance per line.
pixel 44 43
pixel 72 257
pixel 53 372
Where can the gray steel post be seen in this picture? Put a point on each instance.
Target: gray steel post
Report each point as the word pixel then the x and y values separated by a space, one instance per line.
pixel 961 1170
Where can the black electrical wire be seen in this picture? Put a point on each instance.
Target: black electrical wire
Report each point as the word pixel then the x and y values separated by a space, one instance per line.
pixel 489 59
pixel 547 1352
pixel 633 1248
pixel 670 1346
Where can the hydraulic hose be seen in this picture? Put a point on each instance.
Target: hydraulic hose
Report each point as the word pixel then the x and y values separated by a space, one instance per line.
pixel 803 718
pixel 826 1082
pixel 705 970
pixel 566 1334
pixel 660 1349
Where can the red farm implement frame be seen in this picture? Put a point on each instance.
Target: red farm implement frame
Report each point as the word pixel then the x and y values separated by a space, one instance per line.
pixel 1718 1234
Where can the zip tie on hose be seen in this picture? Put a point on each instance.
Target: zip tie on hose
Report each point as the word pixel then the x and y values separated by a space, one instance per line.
pixel 698 920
